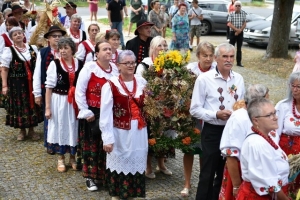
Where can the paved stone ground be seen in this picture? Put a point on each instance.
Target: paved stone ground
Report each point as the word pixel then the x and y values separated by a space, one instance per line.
pixel 27 172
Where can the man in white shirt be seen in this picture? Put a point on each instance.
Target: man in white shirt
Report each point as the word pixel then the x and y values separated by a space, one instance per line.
pixel 214 94
pixel 70 10
pixel 195 15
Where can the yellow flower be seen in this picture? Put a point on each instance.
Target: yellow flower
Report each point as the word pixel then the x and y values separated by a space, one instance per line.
pixel 157 64
pixel 188 56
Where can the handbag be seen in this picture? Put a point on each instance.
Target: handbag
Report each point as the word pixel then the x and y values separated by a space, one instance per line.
pixel 94 126
pixel 143 14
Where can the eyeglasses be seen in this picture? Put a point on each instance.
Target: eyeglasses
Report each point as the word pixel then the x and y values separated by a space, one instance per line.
pixel 270 116
pixel 56 36
pixel 128 64
pixel 237 5
pixel 295 86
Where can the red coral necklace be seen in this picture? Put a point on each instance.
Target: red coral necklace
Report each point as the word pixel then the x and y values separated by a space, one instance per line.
pixel 294 109
pixel 130 94
pixel 107 71
pixel 203 70
pixel 268 139
pixel 75 34
pixel 21 50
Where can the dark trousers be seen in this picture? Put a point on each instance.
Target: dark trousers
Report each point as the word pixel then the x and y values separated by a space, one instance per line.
pixel 239 42
pixel 212 163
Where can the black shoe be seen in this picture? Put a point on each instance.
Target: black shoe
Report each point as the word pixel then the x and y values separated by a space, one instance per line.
pixel 240 65
pixel 191 49
pixel 123 47
pixel 91 186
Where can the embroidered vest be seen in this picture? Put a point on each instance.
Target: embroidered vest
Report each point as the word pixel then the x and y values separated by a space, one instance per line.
pixel 121 108
pixel 17 67
pixel 93 92
pixel 63 84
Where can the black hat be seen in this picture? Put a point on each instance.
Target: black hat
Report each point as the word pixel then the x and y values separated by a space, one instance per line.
pixel 17 8
pixel 70 4
pixel 141 23
pixel 54 29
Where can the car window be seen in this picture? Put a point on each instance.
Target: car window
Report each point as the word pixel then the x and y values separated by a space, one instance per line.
pixel 204 6
pixel 218 7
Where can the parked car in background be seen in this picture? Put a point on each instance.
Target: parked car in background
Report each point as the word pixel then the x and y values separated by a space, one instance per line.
pixel 258 32
pixel 215 16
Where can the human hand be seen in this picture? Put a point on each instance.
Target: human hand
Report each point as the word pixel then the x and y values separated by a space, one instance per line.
pixel 38 100
pixel 48 113
pixel 174 38
pixel 108 148
pixel 223 114
pixel 4 90
pixel 90 119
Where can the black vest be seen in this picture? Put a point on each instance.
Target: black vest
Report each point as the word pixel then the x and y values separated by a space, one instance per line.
pixel 63 83
pixel 46 58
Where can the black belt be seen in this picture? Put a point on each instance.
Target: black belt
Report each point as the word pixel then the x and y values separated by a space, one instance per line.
pixel 213 125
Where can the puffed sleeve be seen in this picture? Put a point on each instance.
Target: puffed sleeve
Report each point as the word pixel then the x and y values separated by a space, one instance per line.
pixel 89 57
pixel 80 93
pixel 35 49
pixel 37 91
pixel 281 110
pixel 51 79
pixel 80 52
pixel 140 69
pixel 2 44
pixel 106 115
pixel 6 57
pixel 262 172
pixel 197 109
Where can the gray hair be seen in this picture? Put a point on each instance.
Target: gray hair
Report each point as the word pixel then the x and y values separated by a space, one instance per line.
pixel 255 91
pixel 14 29
pixel 126 53
pixel 76 16
pixel 6 11
pixel 204 46
pixel 63 41
pixel 295 76
pixel 255 106
pixel 154 44
pixel 238 2
pixel 226 46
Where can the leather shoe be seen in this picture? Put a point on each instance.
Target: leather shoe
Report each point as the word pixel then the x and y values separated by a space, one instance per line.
pixel 240 65
pixel 151 175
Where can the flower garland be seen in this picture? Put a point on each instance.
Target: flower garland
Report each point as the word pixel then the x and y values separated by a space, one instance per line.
pixel 167 103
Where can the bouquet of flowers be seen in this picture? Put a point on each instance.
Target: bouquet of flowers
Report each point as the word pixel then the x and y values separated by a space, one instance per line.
pixel 167 103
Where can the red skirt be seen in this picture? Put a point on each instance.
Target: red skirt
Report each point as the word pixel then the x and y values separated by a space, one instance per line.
pixel 227 187
pixel 247 192
pixel 291 145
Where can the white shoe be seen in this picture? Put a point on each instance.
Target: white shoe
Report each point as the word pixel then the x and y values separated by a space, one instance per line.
pixel 90 184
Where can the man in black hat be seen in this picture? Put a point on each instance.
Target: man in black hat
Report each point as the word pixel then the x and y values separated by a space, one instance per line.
pixel 141 43
pixel 44 57
pixel 70 10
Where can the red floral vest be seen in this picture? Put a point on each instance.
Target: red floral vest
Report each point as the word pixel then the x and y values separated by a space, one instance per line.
pixel 93 92
pixel 122 112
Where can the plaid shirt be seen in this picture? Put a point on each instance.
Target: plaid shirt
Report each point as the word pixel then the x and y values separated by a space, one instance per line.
pixel 237 19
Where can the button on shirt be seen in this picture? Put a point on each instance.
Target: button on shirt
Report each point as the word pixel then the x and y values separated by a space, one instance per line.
pixel 237 19
pixel 206 99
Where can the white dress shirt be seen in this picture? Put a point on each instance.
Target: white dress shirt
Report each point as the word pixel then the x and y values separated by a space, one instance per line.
pixel 205 100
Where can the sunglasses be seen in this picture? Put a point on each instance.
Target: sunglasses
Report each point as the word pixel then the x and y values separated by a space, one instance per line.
pixel 56 36
pixel 237 5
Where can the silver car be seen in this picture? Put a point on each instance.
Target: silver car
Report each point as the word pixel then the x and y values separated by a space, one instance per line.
pixel 258 32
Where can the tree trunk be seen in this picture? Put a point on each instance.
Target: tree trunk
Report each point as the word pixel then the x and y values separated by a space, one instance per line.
pixel 280 31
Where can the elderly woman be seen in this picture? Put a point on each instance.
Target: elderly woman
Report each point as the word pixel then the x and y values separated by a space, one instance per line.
pixel 205 53
pixel 180 29
pixel 88 97
pixel 86 49
pixel 44 57
pixel 157 44
pixel 61 109
pixel 264 164
pixel 156 18
pixel 113 38
pixel 234 134
pixel 76 34
pixel 288 122
pixel 124 130
pixel 17 63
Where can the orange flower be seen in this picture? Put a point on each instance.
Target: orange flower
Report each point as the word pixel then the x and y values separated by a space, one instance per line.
pixel 168 112
pixel 152 141
pixel 196 131
pixel 186 141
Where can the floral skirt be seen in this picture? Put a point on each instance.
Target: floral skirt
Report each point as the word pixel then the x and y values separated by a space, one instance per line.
pixel 182 42
pixel 19 112
pixel 126 186
pixel 62 149
pixel 291 145
pixel 90 153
